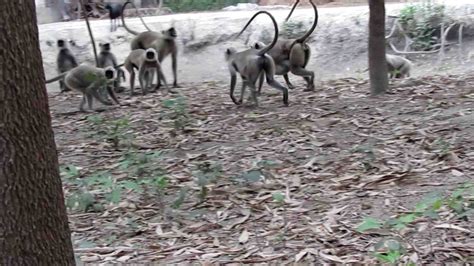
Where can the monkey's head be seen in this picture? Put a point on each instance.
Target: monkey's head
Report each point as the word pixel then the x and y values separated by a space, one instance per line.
pixel 170 33
pixel 105 47
pixel 109 73
pixel 61 43
pixel 229 52
pixel 150 54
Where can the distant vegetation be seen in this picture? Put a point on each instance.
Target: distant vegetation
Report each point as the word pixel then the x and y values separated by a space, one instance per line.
pixel 199 5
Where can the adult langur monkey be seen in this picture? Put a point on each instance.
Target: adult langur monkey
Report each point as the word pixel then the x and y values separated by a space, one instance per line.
pixel 292 55
pixel 164 42
pixel 250 64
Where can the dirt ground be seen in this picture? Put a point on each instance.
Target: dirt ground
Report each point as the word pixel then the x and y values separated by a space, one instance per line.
pixel 336 156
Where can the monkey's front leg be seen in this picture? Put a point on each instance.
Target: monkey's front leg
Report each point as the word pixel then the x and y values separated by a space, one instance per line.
pixel 161 76
pixel 174 63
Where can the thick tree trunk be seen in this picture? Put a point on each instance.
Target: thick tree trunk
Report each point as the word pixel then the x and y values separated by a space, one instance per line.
pixel 33 221
pixel 377 62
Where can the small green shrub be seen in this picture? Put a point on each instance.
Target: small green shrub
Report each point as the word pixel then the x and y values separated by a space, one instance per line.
pixel 422 23
pixel 113 131
pixel 391 250
pixel 177 110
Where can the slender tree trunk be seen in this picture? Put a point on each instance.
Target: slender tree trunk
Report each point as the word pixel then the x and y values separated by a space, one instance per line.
pixel 377 62
pixel 33 221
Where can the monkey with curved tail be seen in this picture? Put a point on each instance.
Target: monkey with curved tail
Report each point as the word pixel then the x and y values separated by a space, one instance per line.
pixel 164 43
pixel 292 55
pixel 250 64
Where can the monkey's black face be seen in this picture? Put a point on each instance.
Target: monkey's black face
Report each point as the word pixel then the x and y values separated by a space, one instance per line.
pixel 172 32
pixel 106 47
pixel 60 43
pixel 150 55
pixel 109 74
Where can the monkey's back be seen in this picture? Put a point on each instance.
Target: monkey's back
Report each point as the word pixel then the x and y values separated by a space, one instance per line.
pixel 145 40
pixel 83 76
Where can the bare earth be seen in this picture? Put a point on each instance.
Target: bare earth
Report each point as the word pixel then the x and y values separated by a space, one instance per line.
pixel 337 155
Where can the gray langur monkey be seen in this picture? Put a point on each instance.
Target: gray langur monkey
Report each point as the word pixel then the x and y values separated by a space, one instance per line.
pixel 164 42
pixel 292 55
pixel 250 64
pixel 65 61
pixel 398 67
pixel 146 61
pixel 89 80
pixel 107 58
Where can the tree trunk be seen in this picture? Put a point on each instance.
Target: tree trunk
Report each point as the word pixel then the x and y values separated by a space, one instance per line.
pixel 33 221
pixel 377 62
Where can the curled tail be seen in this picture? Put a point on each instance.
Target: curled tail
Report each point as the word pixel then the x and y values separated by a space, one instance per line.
pixel 292 9
pixel 303 38
pixel 275 38
pixel 138 14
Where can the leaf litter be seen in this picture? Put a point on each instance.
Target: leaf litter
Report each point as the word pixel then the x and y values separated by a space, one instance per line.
pixel 333 157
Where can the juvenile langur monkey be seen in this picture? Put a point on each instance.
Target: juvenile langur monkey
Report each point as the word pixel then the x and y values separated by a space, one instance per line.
pixel 250 64
pixel 90 80
pixel 292 55
pixel 146 61
pixel 65 61
pixel 164 43
pixel 107 58
pixel 398 67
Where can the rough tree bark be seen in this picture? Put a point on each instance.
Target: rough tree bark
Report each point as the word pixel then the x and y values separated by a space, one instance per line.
pixel 33 221
pixel 377 62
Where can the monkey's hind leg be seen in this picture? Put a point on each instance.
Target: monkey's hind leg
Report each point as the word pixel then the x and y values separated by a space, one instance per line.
pixel 132 82
pixel 242 91
pixel 306 74
pixel 261 78
pixel 272 82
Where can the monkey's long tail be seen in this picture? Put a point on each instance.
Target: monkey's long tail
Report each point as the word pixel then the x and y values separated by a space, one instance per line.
pixel 292 9
pixel 56 78
pixel 303 38
pixel 160 3
pixel 275 25
pixel 123 19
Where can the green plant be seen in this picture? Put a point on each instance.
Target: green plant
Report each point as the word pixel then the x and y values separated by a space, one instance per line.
pixel 391 250
pixel 140 164
pixel 69 171
pixel 206 174
pixel 422 23
pixel 114 131
pixel 177 112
